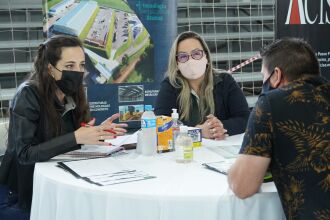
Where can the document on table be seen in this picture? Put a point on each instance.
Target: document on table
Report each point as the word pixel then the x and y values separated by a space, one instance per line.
pixel 220 166
pixel 124 141
pixel 104 171
pixel 227 148
pixel 96 151
pixel 223 167
pixel 90 152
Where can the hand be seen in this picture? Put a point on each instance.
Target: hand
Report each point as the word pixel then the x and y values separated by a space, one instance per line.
pixel 94 134
pixel 205 130
pixel 117 128
pixel 216 129
pixel 89 134
pixel 212 128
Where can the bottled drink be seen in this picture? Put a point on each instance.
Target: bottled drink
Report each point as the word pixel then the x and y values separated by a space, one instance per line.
pixel 148 132
pixel 175 126
pixel 184 146
pixel 139 142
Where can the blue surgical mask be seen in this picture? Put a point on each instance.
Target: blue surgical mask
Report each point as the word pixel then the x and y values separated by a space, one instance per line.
pixel 266 87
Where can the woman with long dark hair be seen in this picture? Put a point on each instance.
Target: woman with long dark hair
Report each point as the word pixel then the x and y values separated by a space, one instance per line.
pixel 45 120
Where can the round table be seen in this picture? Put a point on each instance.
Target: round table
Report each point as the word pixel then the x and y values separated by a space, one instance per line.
pixel 179 191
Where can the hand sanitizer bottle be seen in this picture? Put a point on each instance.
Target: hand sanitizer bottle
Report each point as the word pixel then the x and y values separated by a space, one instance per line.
pixel 175 126
pixel 184 146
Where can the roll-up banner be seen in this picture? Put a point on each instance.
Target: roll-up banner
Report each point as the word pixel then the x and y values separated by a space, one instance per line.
pixel 310 20
pixel 126 43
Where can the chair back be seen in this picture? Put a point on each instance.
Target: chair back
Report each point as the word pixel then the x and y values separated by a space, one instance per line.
pixel 3 136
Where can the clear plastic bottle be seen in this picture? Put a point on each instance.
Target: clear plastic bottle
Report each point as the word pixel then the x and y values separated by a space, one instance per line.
pixel 148 132
pixel 175 126
pixel 184 146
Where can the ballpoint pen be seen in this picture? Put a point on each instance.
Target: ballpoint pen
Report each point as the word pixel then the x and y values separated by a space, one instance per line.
pixel 84 124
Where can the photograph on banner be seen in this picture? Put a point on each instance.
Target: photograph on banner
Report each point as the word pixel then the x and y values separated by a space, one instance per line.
pixel 119 48
pixel 130 112
pixel 117 45
pixel 132 93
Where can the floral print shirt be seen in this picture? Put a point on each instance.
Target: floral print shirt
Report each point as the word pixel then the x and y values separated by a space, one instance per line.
pixel 291 126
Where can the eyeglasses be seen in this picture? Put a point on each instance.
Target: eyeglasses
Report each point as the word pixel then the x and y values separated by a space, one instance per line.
pixel 183 57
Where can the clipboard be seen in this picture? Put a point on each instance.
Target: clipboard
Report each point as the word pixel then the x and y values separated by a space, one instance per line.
pixel 85 170
pixel 223 167
pixel 219 166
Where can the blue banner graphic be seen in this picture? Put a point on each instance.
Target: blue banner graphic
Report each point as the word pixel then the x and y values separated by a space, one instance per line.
pixel 126 43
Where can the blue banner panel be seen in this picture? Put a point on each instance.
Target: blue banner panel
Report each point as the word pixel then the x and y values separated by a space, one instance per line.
pixel 126 43
pixel 310 20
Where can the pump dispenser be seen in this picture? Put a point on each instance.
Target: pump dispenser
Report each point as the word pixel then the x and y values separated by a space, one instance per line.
pixel 175 114
pixel 175 126
pixel 184 146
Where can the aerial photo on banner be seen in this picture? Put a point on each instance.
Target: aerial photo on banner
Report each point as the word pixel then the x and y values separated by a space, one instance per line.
pixel 118 46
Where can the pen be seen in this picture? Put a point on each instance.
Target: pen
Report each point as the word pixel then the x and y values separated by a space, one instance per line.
pixel 84 124
pixel 110 131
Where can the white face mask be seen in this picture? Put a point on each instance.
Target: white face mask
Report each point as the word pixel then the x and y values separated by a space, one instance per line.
pixel 193 69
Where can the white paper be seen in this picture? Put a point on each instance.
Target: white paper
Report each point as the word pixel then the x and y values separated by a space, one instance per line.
pixel 125 139
pixel 234 140
pixel 99 171
pixel 119 177
pixel 94 167
pixel 227 148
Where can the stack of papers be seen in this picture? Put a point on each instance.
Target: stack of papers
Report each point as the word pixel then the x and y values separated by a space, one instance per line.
pixel 227 148
pixel 95 151
pixel 123 140
pixel 103 173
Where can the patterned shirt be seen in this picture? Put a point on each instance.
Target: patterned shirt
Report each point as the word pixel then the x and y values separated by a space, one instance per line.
pixel 291 125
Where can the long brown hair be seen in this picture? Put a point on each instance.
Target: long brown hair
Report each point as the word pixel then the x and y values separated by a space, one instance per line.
pixel 206 102
pixel 50 52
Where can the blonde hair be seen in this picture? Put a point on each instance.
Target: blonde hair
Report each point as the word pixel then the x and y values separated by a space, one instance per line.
pixel 206 101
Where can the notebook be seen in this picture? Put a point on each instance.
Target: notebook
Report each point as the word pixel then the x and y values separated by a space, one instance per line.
pixel 95 151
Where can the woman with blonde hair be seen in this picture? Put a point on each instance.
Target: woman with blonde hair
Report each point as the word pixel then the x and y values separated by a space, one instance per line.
pixel 204 97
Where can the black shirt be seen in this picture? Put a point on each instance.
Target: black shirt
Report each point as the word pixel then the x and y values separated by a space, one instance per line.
pixel 29 142
pixel 231 107
pixel 291 125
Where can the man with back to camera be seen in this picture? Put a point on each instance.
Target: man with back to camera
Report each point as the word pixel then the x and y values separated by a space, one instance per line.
pixel 289 132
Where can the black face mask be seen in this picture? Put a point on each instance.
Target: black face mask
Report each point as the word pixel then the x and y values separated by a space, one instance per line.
pixel 266 87
pixel 70 81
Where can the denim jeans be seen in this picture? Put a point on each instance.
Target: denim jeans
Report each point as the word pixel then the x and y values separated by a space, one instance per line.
pixel 9 206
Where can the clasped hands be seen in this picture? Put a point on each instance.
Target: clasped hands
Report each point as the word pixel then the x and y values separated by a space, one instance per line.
pixel 90 134
pixel 212 128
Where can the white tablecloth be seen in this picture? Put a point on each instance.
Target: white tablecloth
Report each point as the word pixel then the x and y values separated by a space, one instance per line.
pixel 180 191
